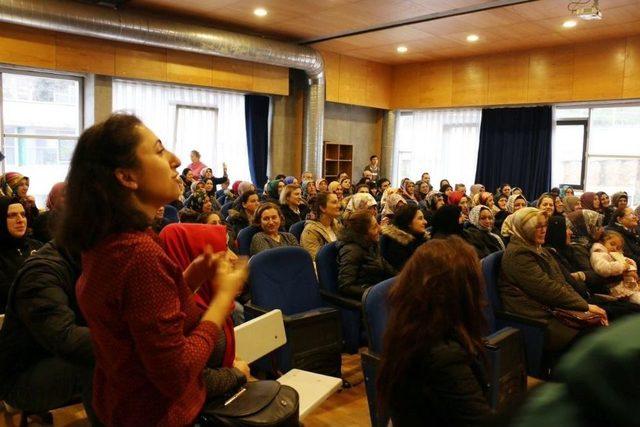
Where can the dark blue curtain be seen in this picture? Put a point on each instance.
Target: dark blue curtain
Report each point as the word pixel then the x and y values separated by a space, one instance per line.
pixel 515 147
pixel 256 115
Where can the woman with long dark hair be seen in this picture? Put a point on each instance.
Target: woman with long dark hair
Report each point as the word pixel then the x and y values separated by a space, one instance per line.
pixel 151 341
pixel 433 370
pixel 403 236
pixel 241 215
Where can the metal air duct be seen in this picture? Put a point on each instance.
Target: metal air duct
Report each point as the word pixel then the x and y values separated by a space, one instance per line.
pixel 135 27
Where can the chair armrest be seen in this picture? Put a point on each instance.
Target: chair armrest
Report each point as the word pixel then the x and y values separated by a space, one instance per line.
pixel 340 301
pixel 512 317
pixel 310 313
pixel 252 311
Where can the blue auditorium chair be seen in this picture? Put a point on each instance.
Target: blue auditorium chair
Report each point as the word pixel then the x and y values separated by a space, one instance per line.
pixel 297 228
pixel 284 278
pixel 350 309
pixel 244 239
pixel 534 331
pixel 171 214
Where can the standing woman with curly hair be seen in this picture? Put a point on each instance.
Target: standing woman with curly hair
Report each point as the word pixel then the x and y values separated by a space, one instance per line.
pixel 151 341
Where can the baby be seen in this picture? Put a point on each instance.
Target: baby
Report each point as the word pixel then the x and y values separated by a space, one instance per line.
pixel 607 260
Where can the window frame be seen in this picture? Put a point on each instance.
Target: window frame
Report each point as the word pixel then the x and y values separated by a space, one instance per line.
pixel 38 73
pixel 585 123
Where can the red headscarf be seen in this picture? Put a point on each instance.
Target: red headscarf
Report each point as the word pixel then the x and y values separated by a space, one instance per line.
pixel 53 199
pixel 234 186
pixel 184 243
pixel 455 197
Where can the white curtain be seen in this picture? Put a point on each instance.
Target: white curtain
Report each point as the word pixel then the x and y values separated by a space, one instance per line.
pixel 187 118
pixel 441 142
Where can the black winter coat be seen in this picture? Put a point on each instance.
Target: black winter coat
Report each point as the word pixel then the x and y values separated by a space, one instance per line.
pixel 11 259
pixel 397 246
pixel 360 264
pixel 43 318
pixel 290 217
pixel 448 389
pixel 483 242
pixel 631 242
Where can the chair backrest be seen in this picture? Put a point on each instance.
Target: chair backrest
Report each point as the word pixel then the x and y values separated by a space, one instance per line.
pixel 225 209
pixel 375 310
pixel 284 278
pixel 491 272
pixel 171 214
pixel 244 239
pixel 297 228
pixel 327 266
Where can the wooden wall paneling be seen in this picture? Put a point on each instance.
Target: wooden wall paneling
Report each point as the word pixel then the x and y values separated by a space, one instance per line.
pixel 599 70
pixel 508 78
pixel 378 85
pixel 551 74
pixel 270 79
pixel 353 85
pixel 332 75
pixel 470 82
pixel 189 68
pixel 141 62
pixel 84 54
pixel 631 84
pixel 28 47
pixel 435 84
pixel 232 74
pixel 405 80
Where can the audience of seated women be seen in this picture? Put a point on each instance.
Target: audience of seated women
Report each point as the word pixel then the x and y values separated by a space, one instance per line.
pixel 241 215
pixel 292 206
pixel 151 341
pixel 269 219
pixel 46 358
pixel 400 239
pixel 625 222
pixel 433 368
pixel 15 246
pixel 360 264
pixel 324 228
pixel 480 232
pixel 531 283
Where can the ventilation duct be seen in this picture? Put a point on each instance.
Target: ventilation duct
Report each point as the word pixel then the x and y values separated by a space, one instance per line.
pixel 135 27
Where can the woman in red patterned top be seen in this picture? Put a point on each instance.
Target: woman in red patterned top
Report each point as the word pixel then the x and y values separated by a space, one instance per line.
pixel 150 339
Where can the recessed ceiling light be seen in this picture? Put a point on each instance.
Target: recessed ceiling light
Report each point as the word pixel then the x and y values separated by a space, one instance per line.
pixel 472 38
pixel 569 24
pixel 402 49
pixel 261 11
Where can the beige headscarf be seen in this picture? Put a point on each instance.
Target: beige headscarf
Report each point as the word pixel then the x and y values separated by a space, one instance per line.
pixel 523 226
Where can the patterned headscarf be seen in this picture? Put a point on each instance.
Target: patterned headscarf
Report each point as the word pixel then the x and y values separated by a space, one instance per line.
pixel 196 200
pixel 289 180
pixel 570 203
pixel 244 187
pixel 512 201
pixel 204 171
pixel 9 183
pixel 360 201
pixel 474 216
pixel 318 182
pixel 616 198
pixel 587 200
pixel 584 223
pixel 392 202
pixel 432 199
pixel 523 226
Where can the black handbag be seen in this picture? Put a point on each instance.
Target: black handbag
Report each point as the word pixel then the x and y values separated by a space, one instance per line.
pixel 256 404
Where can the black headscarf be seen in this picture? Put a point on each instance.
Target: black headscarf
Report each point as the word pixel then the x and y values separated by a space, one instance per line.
pixel 557 233
pixel 446 221
pixel 7 240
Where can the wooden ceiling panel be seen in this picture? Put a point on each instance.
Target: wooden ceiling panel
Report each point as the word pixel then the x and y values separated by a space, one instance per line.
pixel 525 26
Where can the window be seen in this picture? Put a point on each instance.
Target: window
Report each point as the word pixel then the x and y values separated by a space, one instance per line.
pixel 441 142
pixel 42 119
pixel 597 149
pixel 187 118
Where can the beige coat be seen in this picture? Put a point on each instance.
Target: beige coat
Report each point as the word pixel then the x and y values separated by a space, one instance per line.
pixel 314 236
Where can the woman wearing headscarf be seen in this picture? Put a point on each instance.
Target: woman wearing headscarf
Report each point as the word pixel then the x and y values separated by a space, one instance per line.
pixel 447 221
pixel 272 193
pixel 16 186
pixel 361 202
pixel 480 232
pixel 207 173
pixel 589 200
pixel 572 203
pixel 486 199
pixel 504 189
pixel 290 180
pixel 459 199
pixel 605 206
pixel 15 246
pixel 514 204
pixel 44 224
pixel 401 238
pixel 421 190
pixel 407 190
pixel 500 211
pixel 586 282
pixel 210 191
pixel 566 190
pixel 474 191
pixel 309 190
pixel 558 206
pixel 433 202
pixel 531 282
pixel 392 202
pixel 619 200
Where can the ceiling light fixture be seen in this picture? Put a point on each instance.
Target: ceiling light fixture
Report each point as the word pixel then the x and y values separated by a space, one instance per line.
pixel 472 38
pixel 569 24
pixel 402 49
pixel 261 11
